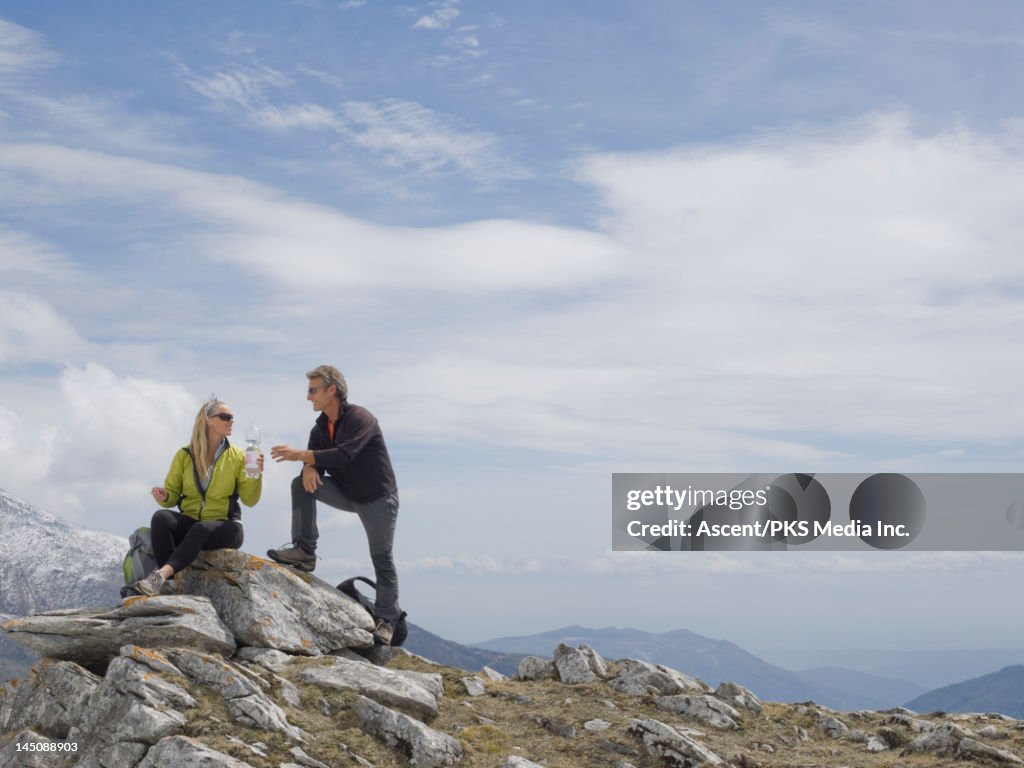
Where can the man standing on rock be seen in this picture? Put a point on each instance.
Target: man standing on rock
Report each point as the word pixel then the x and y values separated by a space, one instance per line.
pixel 346 466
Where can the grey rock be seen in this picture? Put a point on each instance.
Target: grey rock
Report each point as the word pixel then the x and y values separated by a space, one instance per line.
pixel 667 743
pixel 799 736
pixel 597 664
pixel 305 760
pixel 704 708
pixel 428 748
pixel 970 748
pixel 831 726
pixel 268 658
pixel 289 692
pixel 534 668
pixel 251 747
pixel 272 606
pixel 384 685
pixel 857 736
pixel 597 725
pixel 619 749
pixel 639 678
pixel 573 666
pixel 493 675
pixel 52 699
pixel 11 757
pixel 913 723
pixel 562 730
pixel 514 761
pixel 942 740
pixel 94 636
pixel 474 686
pixel 875 744
pixel 242 693
pixel 183 752
pixel 991 732
pixel 128 676
pixel 116 719
pixel 739 696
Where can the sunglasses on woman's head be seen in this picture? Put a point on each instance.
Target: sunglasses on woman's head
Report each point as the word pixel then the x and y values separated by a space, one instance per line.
pixel 223 416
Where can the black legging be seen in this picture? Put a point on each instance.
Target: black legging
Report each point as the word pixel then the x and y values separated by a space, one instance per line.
pixel 177 539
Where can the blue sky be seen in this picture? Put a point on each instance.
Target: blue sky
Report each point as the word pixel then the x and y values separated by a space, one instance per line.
pixel 545 242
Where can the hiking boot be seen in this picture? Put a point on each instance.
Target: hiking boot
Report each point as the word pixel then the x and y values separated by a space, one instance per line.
pixel 294 556
pixel 383 631
pixel 151 585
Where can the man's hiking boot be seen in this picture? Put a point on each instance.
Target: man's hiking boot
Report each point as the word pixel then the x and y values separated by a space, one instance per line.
pixel 294 556
pixel 383 632
pixel 151 585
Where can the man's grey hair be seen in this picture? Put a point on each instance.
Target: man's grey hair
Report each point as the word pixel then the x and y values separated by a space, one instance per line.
pixel 331 375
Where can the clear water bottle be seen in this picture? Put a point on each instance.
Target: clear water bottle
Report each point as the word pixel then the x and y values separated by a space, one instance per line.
pixel 252 452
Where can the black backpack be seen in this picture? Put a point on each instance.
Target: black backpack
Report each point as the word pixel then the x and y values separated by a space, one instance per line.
pixel 348 587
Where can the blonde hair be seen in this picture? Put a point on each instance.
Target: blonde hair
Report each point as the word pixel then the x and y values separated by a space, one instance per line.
pixel 331 375
pixel 200 445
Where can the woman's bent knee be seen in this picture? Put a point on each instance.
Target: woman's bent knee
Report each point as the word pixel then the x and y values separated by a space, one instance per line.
pixel 162 517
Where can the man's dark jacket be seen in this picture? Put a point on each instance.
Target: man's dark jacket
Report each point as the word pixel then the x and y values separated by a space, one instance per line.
pixel 357 459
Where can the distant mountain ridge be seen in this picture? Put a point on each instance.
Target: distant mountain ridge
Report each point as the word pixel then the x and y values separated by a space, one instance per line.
pixel 713 661
pixel 928 668
pixel 453 654
pixel 1001 691
pixel 46 564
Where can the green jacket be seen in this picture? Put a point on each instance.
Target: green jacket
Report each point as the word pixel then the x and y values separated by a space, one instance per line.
pixel 227 485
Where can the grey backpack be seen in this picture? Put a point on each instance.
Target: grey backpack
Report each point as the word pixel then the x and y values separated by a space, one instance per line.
pixel 140 560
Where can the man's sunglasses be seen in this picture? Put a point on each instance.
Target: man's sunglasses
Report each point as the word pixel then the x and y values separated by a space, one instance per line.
pixel 223 416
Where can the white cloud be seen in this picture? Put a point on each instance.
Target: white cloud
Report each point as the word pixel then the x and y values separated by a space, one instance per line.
pixel 35 110
pixel 324 77
pixel 22 50
pixel 21 252
pixel 33 331
pixel 26 449
pixel 406 132
pixel 254 225
pixel 246 87
pixel 443 14
pixel 401 133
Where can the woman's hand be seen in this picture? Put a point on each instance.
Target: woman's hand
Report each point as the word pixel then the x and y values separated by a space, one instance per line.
pixel 160 494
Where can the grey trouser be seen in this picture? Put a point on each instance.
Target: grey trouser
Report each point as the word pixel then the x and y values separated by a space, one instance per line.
pixel 378 518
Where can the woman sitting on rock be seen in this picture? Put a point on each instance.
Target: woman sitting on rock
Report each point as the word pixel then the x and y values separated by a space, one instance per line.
pixel 206 480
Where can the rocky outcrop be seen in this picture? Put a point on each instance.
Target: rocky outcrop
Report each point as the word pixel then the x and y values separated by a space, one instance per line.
pixel 641 678
pixel 390 687
pixel 183 752
pixel 666 742
pixel 48 700
pixel 92 637
pixel 269 605
pixel 704 709
pixel 578 665
pixel 534 668
pixel 427 748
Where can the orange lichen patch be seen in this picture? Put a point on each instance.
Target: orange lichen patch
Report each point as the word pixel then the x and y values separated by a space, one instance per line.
pixel 257 563
pixel 129 601
pixel 12 623
pixel 307 643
